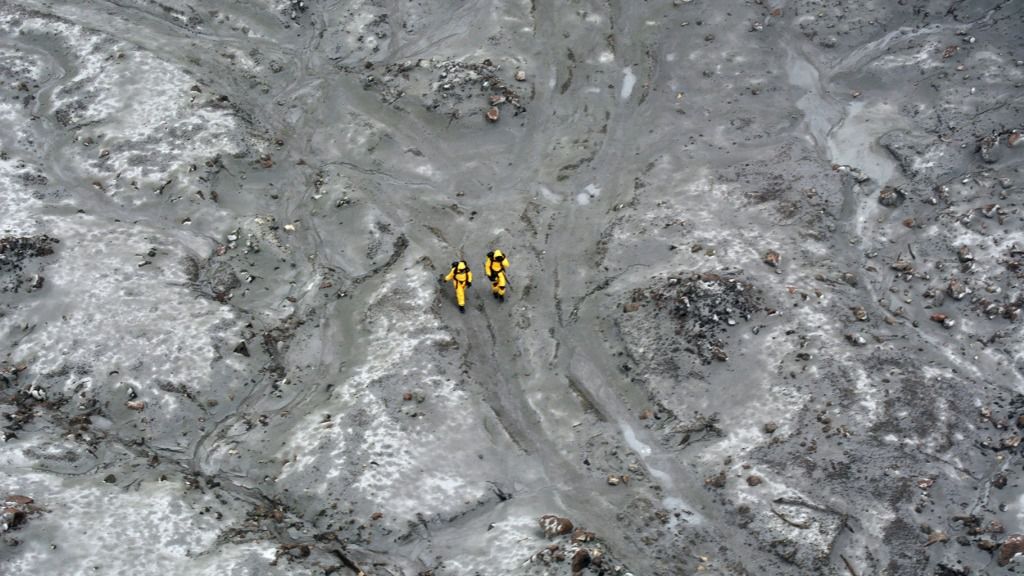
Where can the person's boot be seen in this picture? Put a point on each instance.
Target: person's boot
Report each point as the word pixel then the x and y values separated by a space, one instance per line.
pixel 462 309
pixel 501 297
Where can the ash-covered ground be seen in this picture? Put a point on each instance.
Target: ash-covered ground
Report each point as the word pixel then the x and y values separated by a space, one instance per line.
pixel 764 315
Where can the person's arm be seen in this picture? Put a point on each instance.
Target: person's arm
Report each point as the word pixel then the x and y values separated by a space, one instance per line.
pixel 469 278
pixel 451 274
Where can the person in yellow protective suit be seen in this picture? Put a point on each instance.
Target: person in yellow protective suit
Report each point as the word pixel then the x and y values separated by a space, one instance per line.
pixel 495 267
pixel 461 277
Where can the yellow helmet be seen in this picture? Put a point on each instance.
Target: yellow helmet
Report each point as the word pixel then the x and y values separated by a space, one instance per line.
pixel 461 266
pixel 498 255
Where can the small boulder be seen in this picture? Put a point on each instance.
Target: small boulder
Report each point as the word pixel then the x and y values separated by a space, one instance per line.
pixel 902 266
pixel 989 149
pixel 772 258
pixel 555 525
pixel 964 254
pixel 891 197
pixel 10 518
pixel 1011 547
pixel 990 210
pixel 580 535
pixel 957 290
pixel 580 560
pixel 937 536
pixel 716 481
pixel 856 339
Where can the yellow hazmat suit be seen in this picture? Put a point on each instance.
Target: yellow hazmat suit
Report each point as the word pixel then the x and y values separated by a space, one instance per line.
pixel 460 277
pixel 495 267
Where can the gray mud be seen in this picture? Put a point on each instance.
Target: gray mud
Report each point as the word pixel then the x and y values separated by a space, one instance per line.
pixel 765 295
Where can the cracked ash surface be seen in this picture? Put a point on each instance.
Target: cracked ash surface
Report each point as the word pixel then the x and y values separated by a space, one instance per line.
pixel 765 299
